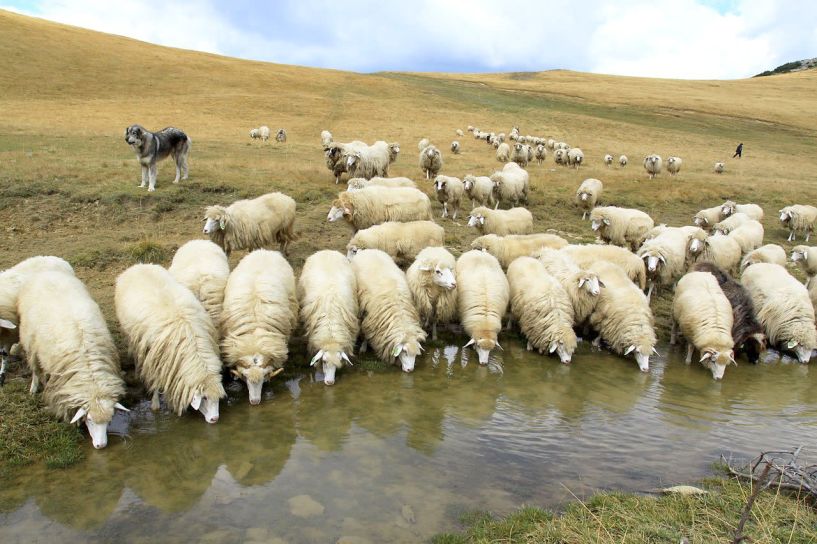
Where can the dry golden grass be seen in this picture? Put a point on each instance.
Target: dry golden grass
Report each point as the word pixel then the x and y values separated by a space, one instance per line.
pixel 68 182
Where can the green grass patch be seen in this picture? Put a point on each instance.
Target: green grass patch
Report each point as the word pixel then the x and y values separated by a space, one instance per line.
pixel 98 259
pixel 148 251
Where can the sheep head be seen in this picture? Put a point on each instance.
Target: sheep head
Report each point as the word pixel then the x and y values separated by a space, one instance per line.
pixel 653 262
pixel 599 222
pixel 786 216
pixel 352 161
pixel 442 276
pixel 406 353
pixel 483 346
pixel 590 282
pixel 216 219
pixel 799 253
pixel 754 345
pixel 255 370
pixel 440 184
pixel 476 219
pixel 339 210
pixel 803 352
pixel 561 351
pixel 330 360
pixel 351 251
pixel 642 355
pixel 97 414
pixel 717 361
pixel 468 182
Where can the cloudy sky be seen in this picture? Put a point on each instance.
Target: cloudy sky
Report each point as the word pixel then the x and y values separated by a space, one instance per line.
pixel 691 39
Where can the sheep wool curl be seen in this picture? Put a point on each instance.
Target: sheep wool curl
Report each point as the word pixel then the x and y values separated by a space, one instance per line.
pixel 721 250
pixel 483 300
pixel 749 236
pixel 171 338
pixel 622 161
pixel 585 255
pixel 575 157
pixel 391 324
pixel 501 222
pixel 449 190
pixel 753 211
pixel 433 287
pixel 704 315
pixel 281 136
pixel 359 183
pixel 608 160
pixel 622 315
pixel 708 217
pixel 542 308
pixel 799 218
pixel 260 313
pixel 784 308
pixel 665 258
pixel 581 286
pixel 202 267
pixel 326 138
pixel 252 224
pixel 480 189
pixel 653 164
pixel 674 165
pixel 731 223
pixel 588 194
pixel 770 253
pixel 511 184
pixel 807 257
pixel 508 248
pixel 65 338
pixel 371 161
pixel 11 280
pixel 719 167
pixel 401 241
pixel 455 147
pixel 423 143
pixel 431 161
pixel 327 292
pixel 626 227
pixel 503 152
pixel 376 204
pixel 459 132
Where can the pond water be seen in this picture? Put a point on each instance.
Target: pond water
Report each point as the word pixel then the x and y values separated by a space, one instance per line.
pixel 393 457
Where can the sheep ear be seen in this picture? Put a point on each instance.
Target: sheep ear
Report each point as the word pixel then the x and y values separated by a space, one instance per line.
pixel 601 283
pixel 425 267
pixel 629 350
pixel 581 282
pixel 553 347
pixel 196 402
pixel 397 349
pixel 705 356
pixel 316 358
pixel 606 222
pixel 470 343
pixel 222 224
pixel 6 324
pixel 120 407
pixel 345 357
pixel 792 344
pixel 654 351
pixel 79 415
pixel 805 255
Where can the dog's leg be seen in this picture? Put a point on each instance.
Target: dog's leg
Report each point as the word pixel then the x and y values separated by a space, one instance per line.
pixel 177 158
pixel 184 166
pixel 144 177
pixel 152 177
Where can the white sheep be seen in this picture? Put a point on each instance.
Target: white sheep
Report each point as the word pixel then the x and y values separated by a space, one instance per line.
pixel 560 156
pixel 541 153
pixel 391 324
pixel 665 258
pixel 511 184
pixel 483 300
pixel 508 248
pixel 674 165
pixel 171 338
pixel 376 204
pixel 449 191
pixel 721 250
pixel 608 160
pixel 503 153
pixel 326 138
pixel 470 128
pixel 799 218
pixel 622 316
pixel 260 133
pixel 202 267
pixel 281 136
pixel 719 167
pixel 626 227
pixel 66 340
pixel 480 189
pixel 587 195
pixel 455 147
pixel 770 253
pixel 359 183
pixel 252 224
pixel 373 160
pixel 542 308
pixel 752 210
pixel 749 236
pixel 622 161
pixel 730 223
pixel 704 315
pixel 501 222
pixel 433 287
pixel 519 154
pixel 337 153
pixel 807 257
pixel 582 286
pixel 327 295
pixel 784 308
pixel 402 241
pixel 260 313
pixel 586 254
pixel 575 157
pixel 459 132
pixel 708 217
pixel 653 164
pixel 431 161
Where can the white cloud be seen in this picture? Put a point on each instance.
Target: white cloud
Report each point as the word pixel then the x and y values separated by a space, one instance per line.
pixel 662 38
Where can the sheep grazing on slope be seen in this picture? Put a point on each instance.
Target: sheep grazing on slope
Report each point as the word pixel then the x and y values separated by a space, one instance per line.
pixel 704 315
pixel 708 217
pixel 541 153
pixel 326 138
pixel 721 250
pixel 402 241
pixel 483 300
pixel 480 189
pixel 588 194
pixel 260 133
pixel 799 218
pixel 431 161
pixel 511 184
pixel 327 293
pixel 281 136
pixel 11 280
pixel 503 153
pixel 674 165
pixel 747 332
pixel 770 253
pixel 575 157
pixel 508 248
pixel 171 338
pixel 749 236
pixel 542 308
pixel 371 161
pixel 501 222
pixel 66 339
pixel 374 205
pixel 260 313
pixel 608 160
pixel 624 227
pixel 586 254
pixel 519 154
pixel 202 267
pixel 719 167
pixel 783 308
pixel 433 287
pixel 252 224
pixel 665 258
pixel 360 183
pixel 807 257
pixel 449 191
pixel 391 324
pixel 336 155
pixel 622 315
pixel 455 147
pixel 653 164
pixel 731 223
pixel 752 210
pixel 622 161
pixel 582 286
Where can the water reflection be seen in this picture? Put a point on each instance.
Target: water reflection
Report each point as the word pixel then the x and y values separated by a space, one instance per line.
pixel 313 463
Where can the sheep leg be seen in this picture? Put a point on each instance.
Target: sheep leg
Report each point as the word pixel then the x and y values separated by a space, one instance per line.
pixel 35 383
pixel 445 209
pixel 154 401
pixel 529 347
pixel 690 349
pixel 455 212
pixel 509 325
pixel 584 214
pixel 649 292
pixel 3 365
pixel 363 346
pixel 434 331
pixel 596 343
pixel 808 234
pixel 673 334
pixel 791 236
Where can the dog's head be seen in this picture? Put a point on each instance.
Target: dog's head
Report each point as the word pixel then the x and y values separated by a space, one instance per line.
pixel 135 135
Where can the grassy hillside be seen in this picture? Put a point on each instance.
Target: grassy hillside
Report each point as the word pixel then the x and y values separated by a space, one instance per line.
pixel 68 181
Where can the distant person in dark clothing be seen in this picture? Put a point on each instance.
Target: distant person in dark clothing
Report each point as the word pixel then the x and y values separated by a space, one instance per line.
pixel 738 151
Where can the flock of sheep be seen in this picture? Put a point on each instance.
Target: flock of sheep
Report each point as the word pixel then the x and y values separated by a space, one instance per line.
pixel 184 324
